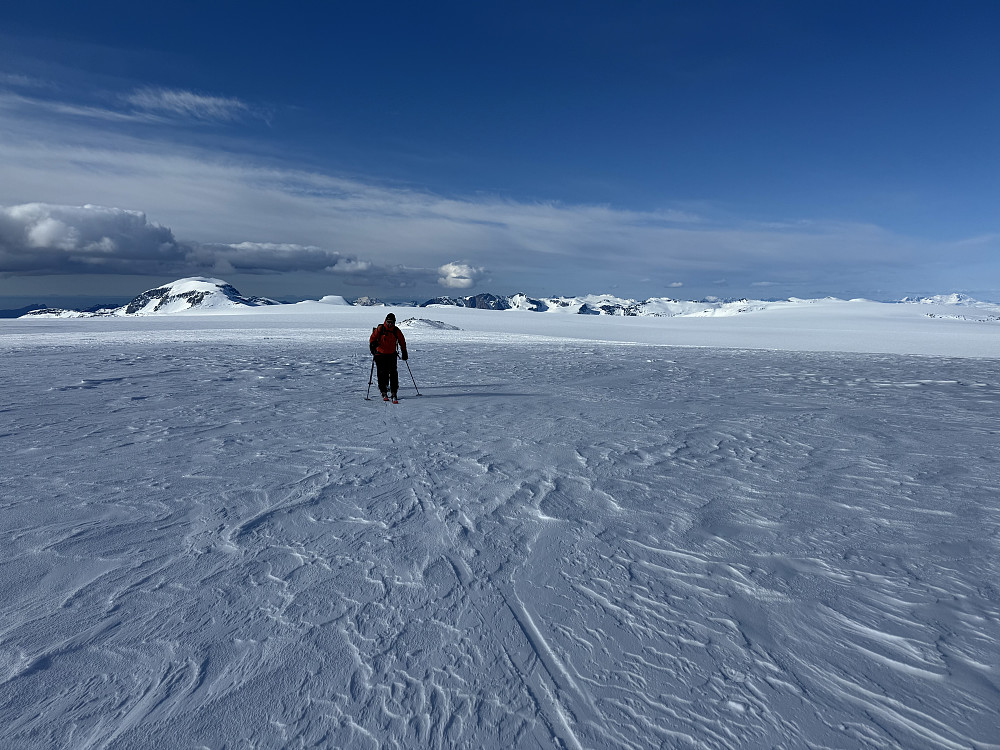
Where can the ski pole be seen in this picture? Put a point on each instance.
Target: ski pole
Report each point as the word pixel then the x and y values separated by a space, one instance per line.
pixel 370 374
pixel 411 378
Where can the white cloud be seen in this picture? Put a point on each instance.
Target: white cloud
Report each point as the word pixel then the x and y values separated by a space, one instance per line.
pixel 676 284
pixel 347 265
pixel 187 104
pixel 458 275
pixel 145 105
pixel 50 232
pixel 33 107
pixel 18 80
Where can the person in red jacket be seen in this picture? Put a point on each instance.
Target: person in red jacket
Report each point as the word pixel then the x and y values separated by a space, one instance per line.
pixel 383 348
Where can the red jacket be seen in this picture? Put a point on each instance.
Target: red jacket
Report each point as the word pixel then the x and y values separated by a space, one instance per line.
pixel 384 340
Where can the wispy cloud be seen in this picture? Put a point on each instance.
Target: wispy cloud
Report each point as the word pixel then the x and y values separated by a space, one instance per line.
pixel 17 104
pixel 255 217
pixel 25 98
pixel 187 104
pixel 21 81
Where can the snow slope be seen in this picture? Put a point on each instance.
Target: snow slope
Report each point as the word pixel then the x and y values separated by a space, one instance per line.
pixel 212 540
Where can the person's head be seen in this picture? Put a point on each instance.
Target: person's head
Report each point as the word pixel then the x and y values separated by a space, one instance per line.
pixel 390 320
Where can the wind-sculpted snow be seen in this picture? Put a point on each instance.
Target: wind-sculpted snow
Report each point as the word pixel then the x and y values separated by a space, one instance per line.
pixel 211 544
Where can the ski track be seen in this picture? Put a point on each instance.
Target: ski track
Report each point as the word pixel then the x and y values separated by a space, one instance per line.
pixel 576 546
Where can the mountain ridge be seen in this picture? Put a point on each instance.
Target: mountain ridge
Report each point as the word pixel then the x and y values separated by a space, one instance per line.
pixel 205 294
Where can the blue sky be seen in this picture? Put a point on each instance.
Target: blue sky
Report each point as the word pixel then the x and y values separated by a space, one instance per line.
pixel 406 150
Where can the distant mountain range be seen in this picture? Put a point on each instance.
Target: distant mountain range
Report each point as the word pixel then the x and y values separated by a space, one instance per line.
pixel 201 294
pixel 598 304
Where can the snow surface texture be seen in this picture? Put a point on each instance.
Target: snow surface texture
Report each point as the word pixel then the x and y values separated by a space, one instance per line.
pixel 212 540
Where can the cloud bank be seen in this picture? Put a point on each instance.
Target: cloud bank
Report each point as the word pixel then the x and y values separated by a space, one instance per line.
pixel 40 239
pixel 36 238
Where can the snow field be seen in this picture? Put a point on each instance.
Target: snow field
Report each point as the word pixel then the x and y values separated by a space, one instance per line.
pixel 558 545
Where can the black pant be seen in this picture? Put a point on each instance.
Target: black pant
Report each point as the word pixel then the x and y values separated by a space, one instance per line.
pixel 388 375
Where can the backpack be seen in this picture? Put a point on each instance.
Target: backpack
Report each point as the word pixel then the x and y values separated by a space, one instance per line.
pixel 382 332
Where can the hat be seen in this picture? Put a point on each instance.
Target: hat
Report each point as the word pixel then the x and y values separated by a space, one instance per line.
pixel 391 317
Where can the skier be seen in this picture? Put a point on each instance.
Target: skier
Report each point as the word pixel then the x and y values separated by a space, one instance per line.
pixel 383 348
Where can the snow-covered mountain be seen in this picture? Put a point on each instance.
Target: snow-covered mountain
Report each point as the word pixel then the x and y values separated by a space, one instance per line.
pixel 945 299
pixel 201 294
pixel 196 292
pixel 666 307
pixel 600 304
pixel 367 301
pixel 483 301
